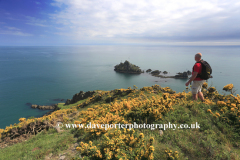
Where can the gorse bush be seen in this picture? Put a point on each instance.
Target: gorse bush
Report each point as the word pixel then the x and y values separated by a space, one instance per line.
pixel 35 125
pixel 171 155
pixel 228 87
pixel 117 144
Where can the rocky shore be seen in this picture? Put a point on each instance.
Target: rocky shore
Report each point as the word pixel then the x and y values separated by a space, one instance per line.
pixel 44 107
pixel 180 75
pixel 51 107
pixel 77 97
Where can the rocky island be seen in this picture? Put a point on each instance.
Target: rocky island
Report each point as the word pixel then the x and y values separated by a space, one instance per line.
pixel 127 67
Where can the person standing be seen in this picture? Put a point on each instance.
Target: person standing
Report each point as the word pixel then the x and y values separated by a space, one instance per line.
pixel 197 81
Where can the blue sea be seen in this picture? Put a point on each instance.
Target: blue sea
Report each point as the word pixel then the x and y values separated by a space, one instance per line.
pixel 45 75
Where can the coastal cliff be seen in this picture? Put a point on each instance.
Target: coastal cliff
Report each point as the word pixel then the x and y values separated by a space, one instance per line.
pixel 215 120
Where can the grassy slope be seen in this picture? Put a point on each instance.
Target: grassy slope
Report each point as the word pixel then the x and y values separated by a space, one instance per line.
pixel 214 139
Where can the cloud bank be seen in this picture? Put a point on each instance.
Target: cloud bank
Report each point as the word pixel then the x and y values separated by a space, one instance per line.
pixel 167 22
pixel 149 21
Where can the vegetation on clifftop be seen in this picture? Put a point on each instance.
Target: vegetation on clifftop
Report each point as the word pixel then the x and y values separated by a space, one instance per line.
pixel 217 138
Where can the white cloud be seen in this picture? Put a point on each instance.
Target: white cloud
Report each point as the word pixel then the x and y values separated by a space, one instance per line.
pixel 142 18
pixel 42 35
pixel 16 33
pixel 36 22
pixel 12 28
pixel 13 31
pixel 14 19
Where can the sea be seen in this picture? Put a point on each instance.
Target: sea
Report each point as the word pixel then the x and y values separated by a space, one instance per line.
pixel 46 75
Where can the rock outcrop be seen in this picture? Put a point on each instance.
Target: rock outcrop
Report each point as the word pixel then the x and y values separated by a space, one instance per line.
pixel 79 96
pixel 44 107
pixel 156 72
pixel 149 70
pixel 127 67
pixel 183 75
pixel 58 99
pixel 165 72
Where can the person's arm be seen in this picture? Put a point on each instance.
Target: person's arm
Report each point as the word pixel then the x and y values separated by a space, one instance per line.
pixel 192 78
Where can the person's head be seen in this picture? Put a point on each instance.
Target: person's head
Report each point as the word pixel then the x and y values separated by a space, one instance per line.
pixel 198 57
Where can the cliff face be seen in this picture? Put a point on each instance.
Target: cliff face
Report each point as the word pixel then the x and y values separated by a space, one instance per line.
pixel 127 67
pixel 79 96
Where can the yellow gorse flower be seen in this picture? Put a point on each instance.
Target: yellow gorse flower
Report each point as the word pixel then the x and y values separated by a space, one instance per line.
pixel 221 103
pixel 228 87
pixel 205 85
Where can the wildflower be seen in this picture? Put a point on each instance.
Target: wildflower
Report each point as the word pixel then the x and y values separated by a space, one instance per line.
pixel 77 122
pixel 217 114
pixel 151 148
pixel 228 87
pixel 141 135
pixel 98 133
pixel 222 110
pixel 90 143
pixel 221 103
pixel 209 110
pixel 22 119
pixel 205 85
pixel 233 105
pixel 151 157
pixel 151 139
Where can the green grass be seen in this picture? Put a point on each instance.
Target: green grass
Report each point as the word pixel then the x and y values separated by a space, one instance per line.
pixel 208 142
pixel 38 146
pixel 62 106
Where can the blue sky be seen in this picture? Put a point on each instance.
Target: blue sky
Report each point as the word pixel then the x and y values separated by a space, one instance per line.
pixel 76 22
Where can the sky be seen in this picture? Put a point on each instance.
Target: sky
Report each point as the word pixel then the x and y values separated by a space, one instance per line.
pixel 156 22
